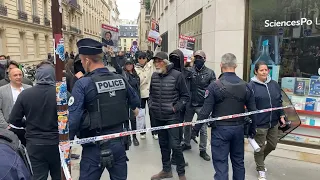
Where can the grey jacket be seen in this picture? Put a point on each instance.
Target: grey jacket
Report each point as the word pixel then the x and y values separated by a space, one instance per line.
pixel 6 103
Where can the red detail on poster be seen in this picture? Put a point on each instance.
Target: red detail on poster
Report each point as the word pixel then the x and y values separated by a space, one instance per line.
pixel 111 28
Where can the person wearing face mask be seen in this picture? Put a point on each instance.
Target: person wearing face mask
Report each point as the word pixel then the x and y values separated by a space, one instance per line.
pixel 99 106
pixel 168 96
pixel 200 79
pixel 267 94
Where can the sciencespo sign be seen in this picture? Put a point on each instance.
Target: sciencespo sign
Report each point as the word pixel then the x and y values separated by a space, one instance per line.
pixel 300 22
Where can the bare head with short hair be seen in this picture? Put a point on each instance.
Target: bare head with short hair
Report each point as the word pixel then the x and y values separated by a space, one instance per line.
pixel 228 61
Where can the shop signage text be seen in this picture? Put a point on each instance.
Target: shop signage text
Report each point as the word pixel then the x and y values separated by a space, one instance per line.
pixel 300 22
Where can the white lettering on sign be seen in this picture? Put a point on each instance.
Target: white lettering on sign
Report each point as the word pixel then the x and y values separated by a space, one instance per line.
pixel 299 22
pixel 110 85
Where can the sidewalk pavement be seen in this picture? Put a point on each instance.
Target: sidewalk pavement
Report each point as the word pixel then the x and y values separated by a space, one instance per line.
pixel 145 160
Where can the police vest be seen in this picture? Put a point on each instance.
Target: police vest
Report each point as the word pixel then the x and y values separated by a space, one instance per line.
pixel 232 99
pixel 10 139
pixel 109 108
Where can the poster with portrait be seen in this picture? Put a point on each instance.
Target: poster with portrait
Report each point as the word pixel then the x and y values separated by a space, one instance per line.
pixel 186 45
pixel 154 35
pixel 110 37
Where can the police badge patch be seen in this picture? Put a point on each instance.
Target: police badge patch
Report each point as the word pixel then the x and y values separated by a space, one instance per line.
pixel 71 101
pixel 206 94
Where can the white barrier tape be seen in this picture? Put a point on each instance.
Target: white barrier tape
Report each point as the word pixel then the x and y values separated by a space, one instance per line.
pixel 64 165
pixel 121 134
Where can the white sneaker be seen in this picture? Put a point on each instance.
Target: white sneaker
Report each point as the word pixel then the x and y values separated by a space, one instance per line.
pixel 142 136
pixel 155 137
pixel 262 175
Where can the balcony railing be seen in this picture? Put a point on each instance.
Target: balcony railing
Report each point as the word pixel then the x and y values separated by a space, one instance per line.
pixel 36 19
pixel 46 22
pixel 3 10
pixel 22 15
pixel 74 29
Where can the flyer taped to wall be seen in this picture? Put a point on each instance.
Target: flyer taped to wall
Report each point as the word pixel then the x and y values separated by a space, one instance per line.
pixel 110 37
pixel 186 45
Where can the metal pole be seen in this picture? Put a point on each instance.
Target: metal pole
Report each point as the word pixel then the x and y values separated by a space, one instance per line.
pixel 62 106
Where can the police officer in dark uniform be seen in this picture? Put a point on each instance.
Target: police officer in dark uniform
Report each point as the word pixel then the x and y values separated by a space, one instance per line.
pixel 99 106
pixel 226 96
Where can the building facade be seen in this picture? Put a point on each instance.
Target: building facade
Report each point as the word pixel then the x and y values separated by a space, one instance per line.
pixel 25 29
pixel 214 24
pixel 72 23
pixel 128 34
pixel 114 17
pixel 143 22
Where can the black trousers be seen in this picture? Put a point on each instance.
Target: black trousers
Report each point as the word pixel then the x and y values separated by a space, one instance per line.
pixel 44 159
pixel 21 134
pixel 152 121
pixel 133 122
pixel 169 139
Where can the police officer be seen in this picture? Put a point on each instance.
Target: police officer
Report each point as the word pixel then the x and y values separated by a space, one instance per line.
pixel 226 96
pixel 98 106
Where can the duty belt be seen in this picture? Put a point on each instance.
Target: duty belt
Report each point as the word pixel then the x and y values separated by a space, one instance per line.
pixel 228 123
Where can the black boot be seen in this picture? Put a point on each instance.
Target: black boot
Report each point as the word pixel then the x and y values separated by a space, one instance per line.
pixel 185 147
pixel 135 140
pixel 205 156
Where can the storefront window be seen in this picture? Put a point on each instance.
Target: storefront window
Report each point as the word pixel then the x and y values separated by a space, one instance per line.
pixel 286 35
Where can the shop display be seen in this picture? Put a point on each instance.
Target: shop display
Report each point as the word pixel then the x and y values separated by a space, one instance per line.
pixel 292 53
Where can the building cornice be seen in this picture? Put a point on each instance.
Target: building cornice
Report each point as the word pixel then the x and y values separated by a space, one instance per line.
pixel 24 23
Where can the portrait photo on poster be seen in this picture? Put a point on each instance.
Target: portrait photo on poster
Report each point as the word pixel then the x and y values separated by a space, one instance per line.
pixel 110 36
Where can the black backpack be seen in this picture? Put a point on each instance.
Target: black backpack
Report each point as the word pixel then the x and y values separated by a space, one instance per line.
pixel 9 138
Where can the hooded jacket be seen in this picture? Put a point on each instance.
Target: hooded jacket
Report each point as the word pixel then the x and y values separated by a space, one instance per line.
pixel 168 95
pixel 38 105
pixel 267 95
pixel 179 66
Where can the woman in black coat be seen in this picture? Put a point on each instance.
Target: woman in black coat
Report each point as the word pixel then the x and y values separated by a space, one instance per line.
pixel 131 75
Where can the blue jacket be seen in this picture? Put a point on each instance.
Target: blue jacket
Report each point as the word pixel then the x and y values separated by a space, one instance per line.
pixel 267 94
pixel 12 166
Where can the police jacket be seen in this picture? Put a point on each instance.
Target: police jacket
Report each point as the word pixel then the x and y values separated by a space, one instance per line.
pixel 200 80
pixel 85 92
pixel 214 96
pixel 12 166
pixel 267 95
pixel 168 94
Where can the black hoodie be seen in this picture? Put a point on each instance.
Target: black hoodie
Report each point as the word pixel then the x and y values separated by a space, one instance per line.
pixel 179 66
pixel 38 105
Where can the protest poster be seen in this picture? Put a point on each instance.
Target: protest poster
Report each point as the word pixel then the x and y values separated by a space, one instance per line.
pixel 154 35
pixel 110 37
pixel 186 45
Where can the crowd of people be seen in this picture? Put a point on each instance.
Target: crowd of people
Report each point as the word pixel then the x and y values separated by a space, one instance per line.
pixel 173 88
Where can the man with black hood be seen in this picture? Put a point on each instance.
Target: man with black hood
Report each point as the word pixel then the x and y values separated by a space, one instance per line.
pixel 168 96
pixel 38 105
pixel 177 59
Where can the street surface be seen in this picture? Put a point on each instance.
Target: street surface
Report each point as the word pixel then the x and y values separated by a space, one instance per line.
pixel 145 161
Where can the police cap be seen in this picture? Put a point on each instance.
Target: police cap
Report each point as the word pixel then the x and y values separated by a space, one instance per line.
pixel 88 46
